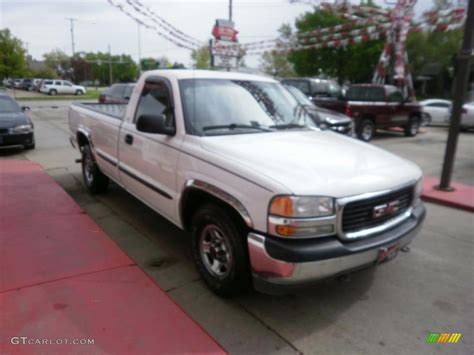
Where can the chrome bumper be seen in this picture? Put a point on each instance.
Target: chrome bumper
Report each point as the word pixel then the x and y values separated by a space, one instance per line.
pixel 282 270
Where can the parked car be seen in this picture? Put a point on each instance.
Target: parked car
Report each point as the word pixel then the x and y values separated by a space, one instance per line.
pixel 467 117
pixel 117 94
pixel 322 117
pixel 34 86
pixel 373 107
pixel 16 128
pixel 17 83
pixel 7 83
pixel 232 159
pixel 25 84
pixel 64 87
pixel 316 89
pixel 436 111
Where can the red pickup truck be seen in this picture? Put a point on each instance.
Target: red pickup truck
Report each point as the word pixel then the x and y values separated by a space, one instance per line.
pixel 375 107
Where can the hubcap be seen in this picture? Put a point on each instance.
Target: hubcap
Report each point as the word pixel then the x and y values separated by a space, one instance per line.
pixel 367 132
pixel 414 128
pixel 88 168
pixel 215 251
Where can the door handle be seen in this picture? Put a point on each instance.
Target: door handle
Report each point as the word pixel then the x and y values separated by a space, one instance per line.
pixel 129 139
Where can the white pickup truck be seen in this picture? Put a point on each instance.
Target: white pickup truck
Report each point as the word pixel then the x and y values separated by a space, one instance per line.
pixel 268 198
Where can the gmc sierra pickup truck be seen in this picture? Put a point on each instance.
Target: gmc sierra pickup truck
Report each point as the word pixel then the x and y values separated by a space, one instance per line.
pixel 269 199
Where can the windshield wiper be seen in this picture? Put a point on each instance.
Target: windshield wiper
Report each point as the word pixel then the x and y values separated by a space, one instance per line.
pixel 232 126
pixel 287 126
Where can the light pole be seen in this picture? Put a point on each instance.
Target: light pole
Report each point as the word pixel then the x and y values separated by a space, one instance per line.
pixel 139 51
pixel 71 22
pixel 460 81
pixel 110 66
pixel 230 10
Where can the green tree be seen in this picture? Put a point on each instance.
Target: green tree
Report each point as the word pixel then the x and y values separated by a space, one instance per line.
pixel 276 63
pixel 124 69
pixel 149 64
pixel 12 56
pixel 58 61
pixel 355 63
pixel 201 58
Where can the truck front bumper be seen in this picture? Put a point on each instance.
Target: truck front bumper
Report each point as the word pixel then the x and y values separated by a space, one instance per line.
pixel 279 264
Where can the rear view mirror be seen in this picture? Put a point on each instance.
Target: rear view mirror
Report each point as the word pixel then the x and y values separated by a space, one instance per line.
pixel 156 124
pixel 25 108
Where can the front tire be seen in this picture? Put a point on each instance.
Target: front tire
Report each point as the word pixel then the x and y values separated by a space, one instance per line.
pixel 79 92
pixel 413 127
pixel 220 252
pixel 95 181
pixel 366 130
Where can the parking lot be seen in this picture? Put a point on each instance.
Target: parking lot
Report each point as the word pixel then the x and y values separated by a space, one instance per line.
pixel 391 310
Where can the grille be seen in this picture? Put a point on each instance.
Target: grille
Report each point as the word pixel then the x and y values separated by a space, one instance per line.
pixel 359 215
pixel 3 130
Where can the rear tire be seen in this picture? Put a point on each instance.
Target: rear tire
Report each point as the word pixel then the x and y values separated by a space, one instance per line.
pixel 413 127
pixel 220 251
pixel 52 92
pixel 95 181
pixel 366 130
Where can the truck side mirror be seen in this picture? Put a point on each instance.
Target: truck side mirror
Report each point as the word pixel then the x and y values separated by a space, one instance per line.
pixel 156 124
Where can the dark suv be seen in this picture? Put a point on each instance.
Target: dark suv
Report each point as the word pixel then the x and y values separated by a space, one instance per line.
pixel 116 94
pixel 316 89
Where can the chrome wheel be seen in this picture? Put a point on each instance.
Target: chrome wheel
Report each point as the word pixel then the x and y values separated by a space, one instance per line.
pixel 367 132
pixel 414 128
pixel 215 251
pixel 88 168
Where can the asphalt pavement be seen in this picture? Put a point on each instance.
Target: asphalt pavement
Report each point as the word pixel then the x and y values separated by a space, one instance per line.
pixel 386 310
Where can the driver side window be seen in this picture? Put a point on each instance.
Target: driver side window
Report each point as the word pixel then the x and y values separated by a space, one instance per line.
pixel 395 96
pixel 155 99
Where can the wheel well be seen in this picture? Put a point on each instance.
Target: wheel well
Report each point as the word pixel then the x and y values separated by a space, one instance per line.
pixel 82 139
pixel 368 117
pixel 194 198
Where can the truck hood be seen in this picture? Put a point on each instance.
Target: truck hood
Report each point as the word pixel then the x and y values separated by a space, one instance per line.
pixel 315 162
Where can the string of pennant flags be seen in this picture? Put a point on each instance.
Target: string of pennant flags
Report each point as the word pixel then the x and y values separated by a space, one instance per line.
pixel 364 24
pixel 159 28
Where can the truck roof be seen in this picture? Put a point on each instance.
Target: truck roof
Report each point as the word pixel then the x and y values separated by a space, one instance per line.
pixel 208 74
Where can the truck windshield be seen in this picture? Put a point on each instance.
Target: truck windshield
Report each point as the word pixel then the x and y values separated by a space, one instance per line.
pixel 224 106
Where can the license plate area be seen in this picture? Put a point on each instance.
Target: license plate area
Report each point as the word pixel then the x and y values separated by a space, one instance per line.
pixel 387 253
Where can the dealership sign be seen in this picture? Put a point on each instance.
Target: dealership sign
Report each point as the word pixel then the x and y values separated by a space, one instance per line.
pixel 224 30
pixel 224 49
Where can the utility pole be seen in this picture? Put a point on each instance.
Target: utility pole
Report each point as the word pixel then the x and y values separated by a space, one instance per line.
pixel 461 80
pixel 139 51
pixel 71 22
pixel 110 67
pixel 230 10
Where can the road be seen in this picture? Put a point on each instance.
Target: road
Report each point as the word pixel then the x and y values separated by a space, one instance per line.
pixel 389 310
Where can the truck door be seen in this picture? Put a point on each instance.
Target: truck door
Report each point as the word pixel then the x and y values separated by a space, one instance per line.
pixel 399 112
pixel 148 162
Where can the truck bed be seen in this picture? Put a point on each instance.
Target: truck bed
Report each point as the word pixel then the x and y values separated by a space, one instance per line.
pixel 113 110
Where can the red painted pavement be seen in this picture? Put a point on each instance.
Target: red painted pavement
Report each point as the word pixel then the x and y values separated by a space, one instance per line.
pixel 62 277
pixel 121 310
pixel 462 197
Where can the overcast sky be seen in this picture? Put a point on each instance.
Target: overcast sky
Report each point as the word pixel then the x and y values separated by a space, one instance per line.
pixel 42 24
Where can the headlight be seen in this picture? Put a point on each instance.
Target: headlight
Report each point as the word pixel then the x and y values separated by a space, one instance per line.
pixel 26 128
pixel 302 206
pixel 301 216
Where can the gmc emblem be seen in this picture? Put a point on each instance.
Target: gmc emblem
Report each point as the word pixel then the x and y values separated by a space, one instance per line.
pixel 386 209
